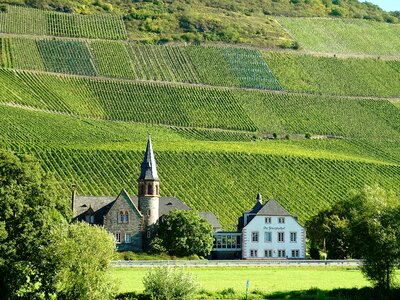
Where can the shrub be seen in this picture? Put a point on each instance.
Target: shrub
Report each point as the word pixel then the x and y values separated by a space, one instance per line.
pixel 167 283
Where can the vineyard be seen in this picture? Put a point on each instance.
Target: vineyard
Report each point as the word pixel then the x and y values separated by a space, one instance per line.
pixel 217 182
pixel 116 59
pixel 352 76
pixel 20 20
pixel 226 122
pixel 345 36
pixel 218 66
pixel 187 106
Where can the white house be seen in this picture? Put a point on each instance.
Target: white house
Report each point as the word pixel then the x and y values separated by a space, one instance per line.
pixel 269 231
pixel 265 231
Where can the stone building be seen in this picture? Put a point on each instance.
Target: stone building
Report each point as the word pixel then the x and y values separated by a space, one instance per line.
pixel 131 219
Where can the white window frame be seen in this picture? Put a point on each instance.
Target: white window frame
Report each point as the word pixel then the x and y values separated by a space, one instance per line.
pixel 255 236
pixel 268 220
pixel 128 237
pixel 253 253
pixel 270 253
pixel 281 253
pixel 293 234
pixel 295 253
pixel 270 236
pixel 281 234
pixel 281 220
pixel 117 236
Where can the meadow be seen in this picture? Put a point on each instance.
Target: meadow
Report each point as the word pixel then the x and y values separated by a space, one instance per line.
pixel 268 280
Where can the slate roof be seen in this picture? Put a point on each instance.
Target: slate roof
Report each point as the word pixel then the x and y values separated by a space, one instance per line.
pixel 101 205
pixel 273 208
pixel 148 170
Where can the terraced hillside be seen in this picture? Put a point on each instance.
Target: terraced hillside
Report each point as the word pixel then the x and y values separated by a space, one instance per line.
pixel 226 122
pixel 344 36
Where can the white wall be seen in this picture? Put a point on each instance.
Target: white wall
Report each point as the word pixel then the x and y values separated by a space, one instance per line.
pixel 258 225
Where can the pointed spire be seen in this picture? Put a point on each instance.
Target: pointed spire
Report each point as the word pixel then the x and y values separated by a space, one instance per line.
pixel 148 169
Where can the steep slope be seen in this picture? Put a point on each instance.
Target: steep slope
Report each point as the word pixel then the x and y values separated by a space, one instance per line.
pixel 226 122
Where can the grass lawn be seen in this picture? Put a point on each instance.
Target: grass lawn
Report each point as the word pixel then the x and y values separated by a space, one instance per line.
pixel 265 279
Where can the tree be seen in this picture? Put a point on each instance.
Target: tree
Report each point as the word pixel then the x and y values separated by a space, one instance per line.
pixel 185 233
pixel 41 255
pixel 331 226
pixel 166 283
pixel 366 225
pixel 29 207
pixel 82 254
pixel 375 233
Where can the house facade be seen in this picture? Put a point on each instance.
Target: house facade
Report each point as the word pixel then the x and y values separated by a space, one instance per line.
pixel 267 231
pixel 132 219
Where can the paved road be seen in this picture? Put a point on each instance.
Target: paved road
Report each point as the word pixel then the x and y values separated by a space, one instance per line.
pixel 233 263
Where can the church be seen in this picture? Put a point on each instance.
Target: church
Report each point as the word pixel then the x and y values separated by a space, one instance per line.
pixel 132 219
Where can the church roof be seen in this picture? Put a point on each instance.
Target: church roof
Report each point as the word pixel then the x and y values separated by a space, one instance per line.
pixel 273 208
pixel 148 170
pixel 101 205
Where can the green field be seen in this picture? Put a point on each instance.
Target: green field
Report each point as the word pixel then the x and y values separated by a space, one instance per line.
pixel 20 20
pixel 351 76
pixel 178 105
pixel 344 36
pixel 265 279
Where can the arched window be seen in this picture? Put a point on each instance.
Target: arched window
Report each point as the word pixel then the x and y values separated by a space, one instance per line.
pixel 126 220
pixel 150 189
pixel 121 217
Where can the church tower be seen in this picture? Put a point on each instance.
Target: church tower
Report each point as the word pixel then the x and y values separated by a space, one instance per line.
pixel 149 190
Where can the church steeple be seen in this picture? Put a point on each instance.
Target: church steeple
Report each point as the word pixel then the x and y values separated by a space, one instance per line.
pixel 148 169
pixel 149 191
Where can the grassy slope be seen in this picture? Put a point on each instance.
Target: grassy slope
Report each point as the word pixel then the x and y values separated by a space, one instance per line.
pixel 344 36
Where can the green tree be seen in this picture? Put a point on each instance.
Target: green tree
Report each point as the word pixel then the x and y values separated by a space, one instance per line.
pixel 331 226
pixel 82 254
pixel 29 207
pixel 185 233
pixel 41 255
pixel 366 225
pixel 375 233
